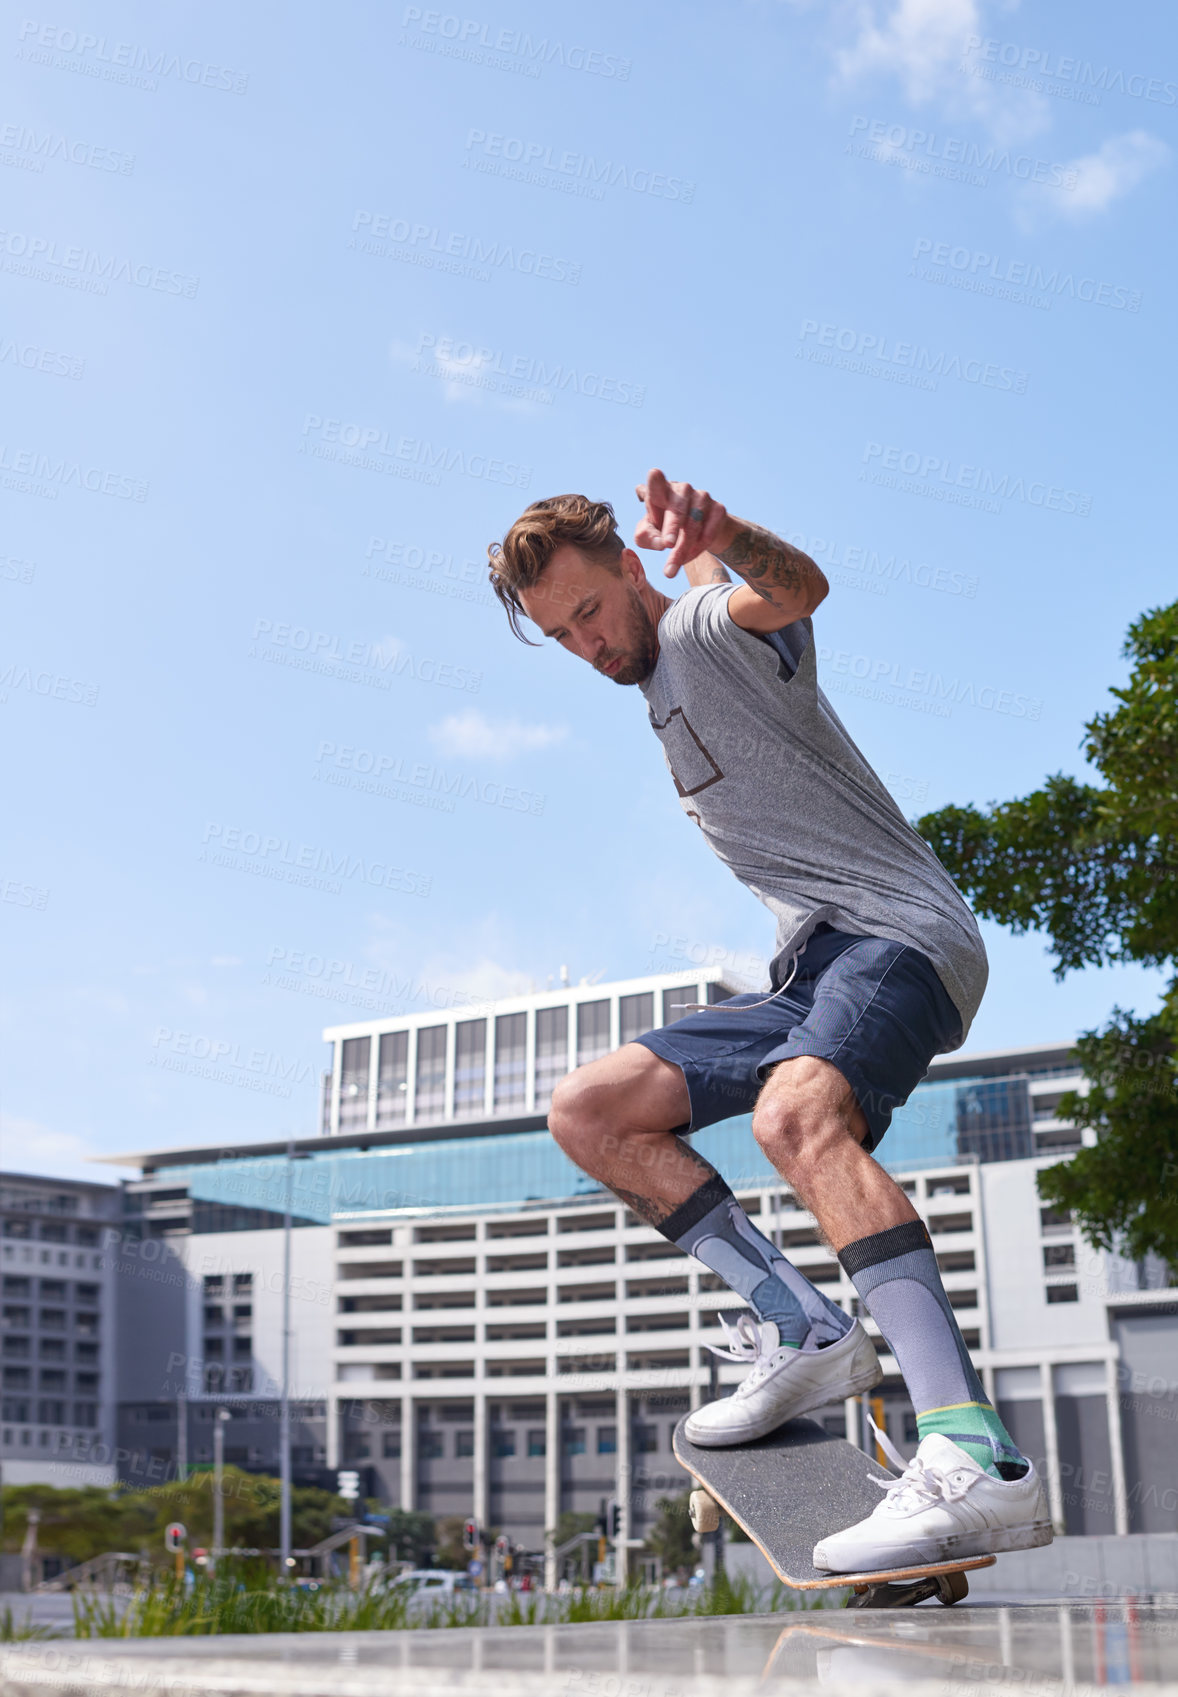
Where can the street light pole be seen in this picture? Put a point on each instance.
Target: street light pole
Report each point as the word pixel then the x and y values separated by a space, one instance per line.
pixel 284 1531
pixel 182 1431
pixel 222 1415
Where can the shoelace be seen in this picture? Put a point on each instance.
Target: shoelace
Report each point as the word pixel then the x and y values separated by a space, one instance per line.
pixel 745 1344
pixel 919 1484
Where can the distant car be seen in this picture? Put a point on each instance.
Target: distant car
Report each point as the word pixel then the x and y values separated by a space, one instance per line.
pixel 433 1581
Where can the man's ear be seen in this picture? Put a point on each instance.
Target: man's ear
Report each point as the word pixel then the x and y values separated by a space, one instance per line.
pixel 632 566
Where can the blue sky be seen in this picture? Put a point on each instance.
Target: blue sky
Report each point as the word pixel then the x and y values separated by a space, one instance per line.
pixel 301 309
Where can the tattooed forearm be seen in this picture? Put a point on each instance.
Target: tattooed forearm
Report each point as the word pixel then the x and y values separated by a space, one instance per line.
pixel 705 568
pixel 767 563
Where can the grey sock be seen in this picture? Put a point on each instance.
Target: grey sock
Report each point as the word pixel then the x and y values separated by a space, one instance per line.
pixel 896 1274
pixel 712 1226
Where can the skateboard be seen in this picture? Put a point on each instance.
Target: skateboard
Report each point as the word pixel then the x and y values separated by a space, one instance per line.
pixel 791 1488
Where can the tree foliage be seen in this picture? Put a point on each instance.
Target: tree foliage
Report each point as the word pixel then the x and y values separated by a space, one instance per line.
pixel 1095 868
pixel 77 1523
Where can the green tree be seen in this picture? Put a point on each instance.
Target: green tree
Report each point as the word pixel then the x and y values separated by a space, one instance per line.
pixel 1094 867
pixel 670 1538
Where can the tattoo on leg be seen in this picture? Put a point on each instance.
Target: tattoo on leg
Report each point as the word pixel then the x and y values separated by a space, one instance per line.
pixel 651 1209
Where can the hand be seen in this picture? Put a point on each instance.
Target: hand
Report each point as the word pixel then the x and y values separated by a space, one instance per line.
pixel 682 519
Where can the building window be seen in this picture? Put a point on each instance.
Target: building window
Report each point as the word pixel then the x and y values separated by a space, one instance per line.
pixel 573 1440
pixel 214 1348
pixel 214 1285
pixel 646 1439
pixel 214 1314
pixel 431 1445
pixel 353 1086
pixel 1063 1293
pixel 511 1062
pixel 464 1443
pixel 392 1082
pixel 470 1066
pixel 15 1409
pixel 552 1052
pixel 85 1414
pixel 53 1379
pixel 674 1000
pixel 430 1097
pixel 243 1284
pixel 592 1031
pixel 537 1441
pixel 243 1349
pixel 51 1413
pixel 390 1446
pixel 502 1442
pixel 607 1440
pixel 243 1310
pixel 1059 1255
pixel 635 1015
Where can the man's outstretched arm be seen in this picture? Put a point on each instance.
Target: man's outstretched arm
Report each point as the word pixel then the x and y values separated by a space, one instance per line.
pixel 781 583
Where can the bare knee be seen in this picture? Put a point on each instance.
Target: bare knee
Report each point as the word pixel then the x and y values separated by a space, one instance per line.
pixel 798 1133
pixel 631 1092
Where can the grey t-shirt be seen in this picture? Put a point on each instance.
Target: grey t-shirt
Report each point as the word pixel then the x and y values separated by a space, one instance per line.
pixel 765 767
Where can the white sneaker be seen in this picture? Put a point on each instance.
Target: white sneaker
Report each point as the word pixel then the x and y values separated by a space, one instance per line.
pixel 782 1383
pixel 942 1506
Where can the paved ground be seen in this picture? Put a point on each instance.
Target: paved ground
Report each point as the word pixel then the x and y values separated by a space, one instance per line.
pixel 1040 1649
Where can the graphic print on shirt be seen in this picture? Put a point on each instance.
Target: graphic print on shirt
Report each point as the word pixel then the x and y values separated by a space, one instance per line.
pixel 693 768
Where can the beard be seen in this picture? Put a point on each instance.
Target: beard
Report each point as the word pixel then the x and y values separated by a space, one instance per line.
pixel 638 650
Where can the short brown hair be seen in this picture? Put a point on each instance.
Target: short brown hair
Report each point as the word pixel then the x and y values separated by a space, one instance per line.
pixel 562 520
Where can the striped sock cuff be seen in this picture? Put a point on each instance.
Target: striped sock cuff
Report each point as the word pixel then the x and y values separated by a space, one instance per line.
pixel 884 1246
pixel 688 1214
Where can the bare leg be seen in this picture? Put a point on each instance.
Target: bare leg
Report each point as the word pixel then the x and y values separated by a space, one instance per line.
pixel 810 1126
pixel 615 1117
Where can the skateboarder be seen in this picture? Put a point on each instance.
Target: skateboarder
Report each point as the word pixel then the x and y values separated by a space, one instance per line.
pixel 878 967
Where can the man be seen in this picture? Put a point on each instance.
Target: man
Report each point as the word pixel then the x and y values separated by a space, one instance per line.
pixel 878 967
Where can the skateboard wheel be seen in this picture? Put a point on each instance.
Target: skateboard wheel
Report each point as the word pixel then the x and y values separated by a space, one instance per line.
pixel 704 1512
pixel 952 1587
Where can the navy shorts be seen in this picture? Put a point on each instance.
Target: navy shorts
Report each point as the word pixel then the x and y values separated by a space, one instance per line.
pixel 873 1008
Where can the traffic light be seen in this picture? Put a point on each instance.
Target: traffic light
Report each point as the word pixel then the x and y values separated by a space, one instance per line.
pixel 615 1520
pixel 470 1535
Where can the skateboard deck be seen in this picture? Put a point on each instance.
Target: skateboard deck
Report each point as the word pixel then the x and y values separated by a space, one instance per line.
pixel 796 1486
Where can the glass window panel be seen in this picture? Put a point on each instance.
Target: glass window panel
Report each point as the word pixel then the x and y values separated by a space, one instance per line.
pixel 635 1015
pixel 392 1083
pixel 592 1031
pixel 431 1073
pixel 353 1089
pixel 674 1000
pixel 537 1440
pixel 511 1061
pixel 552 1052
pixel 470 1066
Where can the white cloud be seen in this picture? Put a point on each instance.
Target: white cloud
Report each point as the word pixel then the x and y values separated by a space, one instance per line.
pixel 473 734
pixel 30 1147
pixel 924 45
pixel 466 372
pixel 1116 169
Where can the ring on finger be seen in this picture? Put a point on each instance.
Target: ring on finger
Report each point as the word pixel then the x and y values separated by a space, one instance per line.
pixel 697 513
